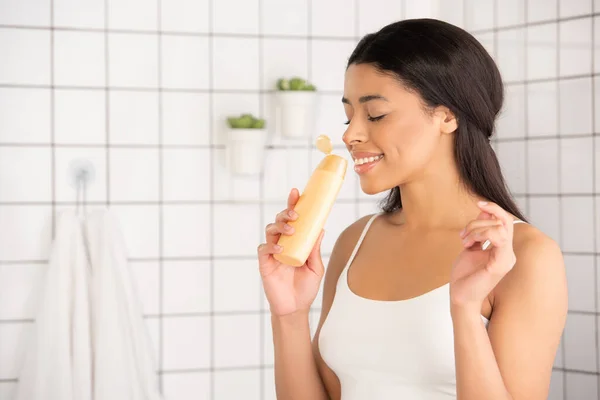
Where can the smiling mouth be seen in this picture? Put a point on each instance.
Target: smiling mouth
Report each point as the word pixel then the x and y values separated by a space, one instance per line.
pixel 367 160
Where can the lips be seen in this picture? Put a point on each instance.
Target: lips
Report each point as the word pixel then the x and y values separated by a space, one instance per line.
pixel 364 161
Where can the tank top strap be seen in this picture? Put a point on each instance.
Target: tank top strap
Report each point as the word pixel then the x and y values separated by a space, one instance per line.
pixel 518 221
pixel 360 240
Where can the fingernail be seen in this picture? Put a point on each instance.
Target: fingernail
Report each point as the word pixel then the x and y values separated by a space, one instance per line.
pixel 292 214
pixel 482 203
pixel 462 232
pixel 288 227
pixel 277 247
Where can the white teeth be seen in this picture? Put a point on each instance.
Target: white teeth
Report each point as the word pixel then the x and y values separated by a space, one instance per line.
pixel 360 161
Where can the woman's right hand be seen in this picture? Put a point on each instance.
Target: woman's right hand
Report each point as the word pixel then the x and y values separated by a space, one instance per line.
pixel 288 289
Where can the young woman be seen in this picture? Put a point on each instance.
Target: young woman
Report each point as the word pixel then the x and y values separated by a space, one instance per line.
pixel 448 293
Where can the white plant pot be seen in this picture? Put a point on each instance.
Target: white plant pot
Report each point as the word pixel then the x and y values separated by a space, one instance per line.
pixel 246 150
pixel 297 113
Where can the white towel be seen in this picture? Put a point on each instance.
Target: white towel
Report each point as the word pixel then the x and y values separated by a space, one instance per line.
pixel 124 368
pixel 58 355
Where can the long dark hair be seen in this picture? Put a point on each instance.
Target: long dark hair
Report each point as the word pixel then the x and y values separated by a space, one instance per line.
pixel 447 66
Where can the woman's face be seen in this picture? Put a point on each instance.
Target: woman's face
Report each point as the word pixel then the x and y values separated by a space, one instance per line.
pixel 390 135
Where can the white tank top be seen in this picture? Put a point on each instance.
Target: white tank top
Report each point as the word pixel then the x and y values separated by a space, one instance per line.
pixel 384 350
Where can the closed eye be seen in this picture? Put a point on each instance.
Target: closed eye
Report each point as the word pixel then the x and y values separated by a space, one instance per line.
pixel 372 119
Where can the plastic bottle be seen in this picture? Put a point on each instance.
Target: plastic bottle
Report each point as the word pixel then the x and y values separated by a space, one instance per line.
pixel 313 206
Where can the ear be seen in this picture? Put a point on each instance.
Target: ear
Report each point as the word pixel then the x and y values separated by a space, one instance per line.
pixel 448 121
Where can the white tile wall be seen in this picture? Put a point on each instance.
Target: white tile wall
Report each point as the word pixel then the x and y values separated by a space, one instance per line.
pixel 146 103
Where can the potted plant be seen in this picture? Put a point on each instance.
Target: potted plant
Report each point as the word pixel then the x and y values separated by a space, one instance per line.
pixel 297 107
pixel 247 137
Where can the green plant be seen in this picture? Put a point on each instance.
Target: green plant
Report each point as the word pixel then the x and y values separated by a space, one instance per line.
pixel 246 121
pixel 295 84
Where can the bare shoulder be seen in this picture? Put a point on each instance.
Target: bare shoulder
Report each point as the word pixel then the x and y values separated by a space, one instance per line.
pixel 539 269
pixel 346 242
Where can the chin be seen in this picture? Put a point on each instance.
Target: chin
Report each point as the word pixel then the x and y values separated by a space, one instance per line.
pixel 372 188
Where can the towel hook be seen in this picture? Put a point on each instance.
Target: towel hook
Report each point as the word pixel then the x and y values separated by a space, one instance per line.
pixel 81 174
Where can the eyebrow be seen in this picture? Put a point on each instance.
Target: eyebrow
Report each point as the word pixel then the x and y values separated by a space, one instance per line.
pixel 364 99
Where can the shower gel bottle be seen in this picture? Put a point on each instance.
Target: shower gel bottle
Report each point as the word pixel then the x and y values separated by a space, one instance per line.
pixel 313 206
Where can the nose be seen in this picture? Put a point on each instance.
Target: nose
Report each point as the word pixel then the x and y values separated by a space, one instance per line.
pixel 354 135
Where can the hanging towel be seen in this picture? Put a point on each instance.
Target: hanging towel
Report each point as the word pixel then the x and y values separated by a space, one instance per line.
pixel 124 368
pixel 57 361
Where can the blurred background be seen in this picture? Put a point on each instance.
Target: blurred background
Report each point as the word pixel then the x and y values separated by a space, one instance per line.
pixel 140 91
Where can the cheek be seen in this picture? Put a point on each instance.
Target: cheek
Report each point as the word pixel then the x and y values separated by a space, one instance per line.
pixel 411 142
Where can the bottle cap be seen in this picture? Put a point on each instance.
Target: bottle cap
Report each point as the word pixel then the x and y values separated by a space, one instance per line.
pixel 334 163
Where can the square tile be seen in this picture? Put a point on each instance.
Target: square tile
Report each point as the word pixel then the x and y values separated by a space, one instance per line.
pixel 580 337
pixel 511 12
pixel 453 12
pixel 236 341
pixel 541 10
pixel 24 115
pixel 542 158
pixel 186 287
pixel 542 51
pixel 488 41
pixel 582 282
pixel 235 63
pixel 186 230
pixel 184 15
pixel 556 386
pixel 367 208
pixel 576 47
pixel 186 343
pixel 284 18
pixel 575 106
pixel 29 55
pixel 18 294
pixel 8 390
pixel 185 119
pixel 283 58
pixel 479 14
pixel 12 348
pixel 79 59
pixel 146 279
pixel 29 12
pixel 133 14
pixel 133 117
pixel 511 156
pixel 340 217
pixel 421 9
pixel 240 294
pixel 267 335
pixel 227 222
pixel 237 385
pixel 511 121
pixel 236 16
pixel 186 386
pixel 140 226
pixel 544 213
pixel 582 386
pixel 226 105
pixel 64 188
pixel 286 169
pixel 269 384
pixel 571 8
pixel 542 107
pixel 184 62
pixel 332 18
pixel 577 155
pixel 132 60
pixel 80 116
pixel 329 59
pixel 79 14
pixel 186 174
pixel 18 225
pixel 231 187
pixel 133 174
pixel 511 54
pixel 577 224
pixel 371 19
pixel 25 174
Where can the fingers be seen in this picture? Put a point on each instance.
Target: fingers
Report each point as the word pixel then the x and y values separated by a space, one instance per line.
pixel 497 235
pixel 479 223
pixel 293 198
pixel 266 250
pixel 275 229
pixel 496 211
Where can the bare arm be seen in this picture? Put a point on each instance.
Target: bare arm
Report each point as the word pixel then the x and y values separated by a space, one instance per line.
pixel 513 359
pixel 300 372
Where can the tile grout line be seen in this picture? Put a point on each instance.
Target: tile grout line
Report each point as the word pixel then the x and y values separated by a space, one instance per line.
pixel 211 190
pixel 161 225
pixel 261 216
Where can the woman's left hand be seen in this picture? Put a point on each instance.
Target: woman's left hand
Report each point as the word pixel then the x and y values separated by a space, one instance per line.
pixel 476 271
